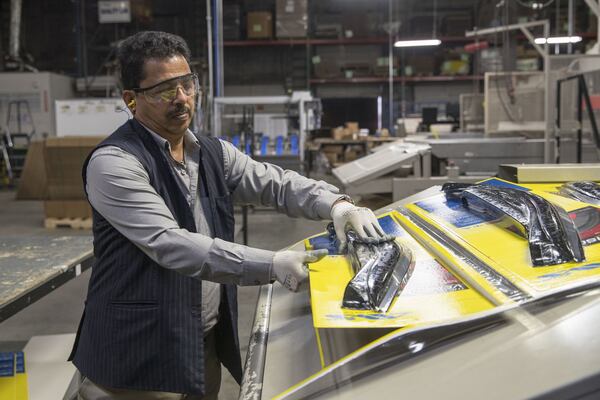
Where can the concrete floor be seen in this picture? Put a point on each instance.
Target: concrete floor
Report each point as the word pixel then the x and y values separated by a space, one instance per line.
pixel 59 311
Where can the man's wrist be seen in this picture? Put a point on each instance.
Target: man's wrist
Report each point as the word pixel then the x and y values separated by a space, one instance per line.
pixel 343 198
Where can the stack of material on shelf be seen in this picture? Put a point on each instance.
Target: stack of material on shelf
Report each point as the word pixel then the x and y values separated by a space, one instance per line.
pixel 382 67
pixel 421 65
pixel 527 59
pixel 455 62
pixel 490 60
pixel 341 133
pixel 328 31
pixel 66 204
pixel 357 69
pixel 259 25
pixel 455 67
pixel 291 20
pixel 231 22
pixel 346 132
pixel 326 67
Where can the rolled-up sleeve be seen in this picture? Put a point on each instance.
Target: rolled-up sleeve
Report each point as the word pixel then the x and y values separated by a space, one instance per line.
pixel 119 189
pixel 257 183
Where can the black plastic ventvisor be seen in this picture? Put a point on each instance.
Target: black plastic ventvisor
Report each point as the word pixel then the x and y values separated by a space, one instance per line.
pixel 551 233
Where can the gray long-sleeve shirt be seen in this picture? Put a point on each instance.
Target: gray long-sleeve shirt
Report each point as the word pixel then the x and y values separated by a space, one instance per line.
pixel 119 188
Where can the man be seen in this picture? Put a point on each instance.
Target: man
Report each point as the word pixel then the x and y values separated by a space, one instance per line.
pixel 161 310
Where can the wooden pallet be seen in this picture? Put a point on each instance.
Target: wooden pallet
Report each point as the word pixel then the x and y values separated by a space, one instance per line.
pixel 73 223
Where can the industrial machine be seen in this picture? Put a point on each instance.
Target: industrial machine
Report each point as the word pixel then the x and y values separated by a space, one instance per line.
pixel 270 128
pixel 374 173
pixel 90 116
pixel 494 289
pixel 27 112
pixel 471 112
pixel 37 93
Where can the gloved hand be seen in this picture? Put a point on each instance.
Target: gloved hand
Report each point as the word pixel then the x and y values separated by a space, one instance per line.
pixel 290 269
pixel 361 220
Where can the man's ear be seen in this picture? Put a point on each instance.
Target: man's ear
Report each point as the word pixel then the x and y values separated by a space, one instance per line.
pixel 129 99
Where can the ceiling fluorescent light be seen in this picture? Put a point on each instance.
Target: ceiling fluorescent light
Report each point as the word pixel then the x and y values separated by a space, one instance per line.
pixel 558 40
pixel 417 43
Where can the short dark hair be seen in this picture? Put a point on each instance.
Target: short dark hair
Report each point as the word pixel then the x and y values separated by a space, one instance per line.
pixel 134 51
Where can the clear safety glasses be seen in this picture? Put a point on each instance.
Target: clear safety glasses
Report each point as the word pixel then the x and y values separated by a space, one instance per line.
pixel 166 91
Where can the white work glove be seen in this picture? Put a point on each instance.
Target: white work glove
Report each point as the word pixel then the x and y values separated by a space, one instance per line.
pixel 290 269
pixel 360 219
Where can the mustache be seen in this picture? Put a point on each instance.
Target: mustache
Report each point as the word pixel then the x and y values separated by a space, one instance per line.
pixel 179 109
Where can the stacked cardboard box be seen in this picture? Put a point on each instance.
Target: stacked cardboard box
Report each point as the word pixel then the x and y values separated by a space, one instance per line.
pixel 348 131
pixel 64 158
pixel 259 25
pixel 291 18
pixel 333 154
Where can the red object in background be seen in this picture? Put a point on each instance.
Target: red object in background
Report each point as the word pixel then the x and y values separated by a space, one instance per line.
pixel 587 222
pixel 476 46
pixel 595 100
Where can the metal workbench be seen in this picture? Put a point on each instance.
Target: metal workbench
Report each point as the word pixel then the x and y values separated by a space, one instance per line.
pixel 33 266
pixel 545 348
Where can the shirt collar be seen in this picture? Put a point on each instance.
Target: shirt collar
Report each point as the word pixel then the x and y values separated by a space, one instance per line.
pixel 189 139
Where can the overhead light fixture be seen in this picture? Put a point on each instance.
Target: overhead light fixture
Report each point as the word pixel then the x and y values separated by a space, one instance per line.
pixel 558 40
pixel 417 43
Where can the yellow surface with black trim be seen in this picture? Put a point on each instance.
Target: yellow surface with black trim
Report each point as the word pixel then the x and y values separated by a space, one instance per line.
pixel 433 293
pixel 498 244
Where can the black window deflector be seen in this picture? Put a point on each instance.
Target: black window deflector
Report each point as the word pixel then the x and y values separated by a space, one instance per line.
pixel 586 191
pixel 382 268
pixel 552 236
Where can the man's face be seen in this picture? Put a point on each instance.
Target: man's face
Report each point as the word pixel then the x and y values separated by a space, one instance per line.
pixel 164 114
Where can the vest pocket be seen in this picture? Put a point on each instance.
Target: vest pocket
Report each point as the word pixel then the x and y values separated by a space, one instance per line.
pixel 134 304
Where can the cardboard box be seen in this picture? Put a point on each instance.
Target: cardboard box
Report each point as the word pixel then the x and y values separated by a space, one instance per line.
pixel 291 19
pixel 64 158
pixel 259 25
pixel 331 157
pixel 352 127
pixel 32 182
pixel 340 133
pixel 352 154
pixel 67 209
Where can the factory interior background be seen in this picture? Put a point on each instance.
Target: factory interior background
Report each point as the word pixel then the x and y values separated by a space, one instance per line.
pixel 384 99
